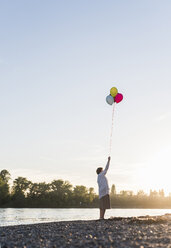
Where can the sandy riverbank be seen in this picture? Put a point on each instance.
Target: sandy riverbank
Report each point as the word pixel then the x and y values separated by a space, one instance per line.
pixel 116 232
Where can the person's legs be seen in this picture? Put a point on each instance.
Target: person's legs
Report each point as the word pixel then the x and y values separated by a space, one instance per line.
pixel 102 213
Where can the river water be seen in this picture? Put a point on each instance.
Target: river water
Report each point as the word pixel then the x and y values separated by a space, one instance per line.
pixel 18 216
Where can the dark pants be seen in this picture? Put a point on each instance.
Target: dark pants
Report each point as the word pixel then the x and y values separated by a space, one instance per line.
pixel 105 202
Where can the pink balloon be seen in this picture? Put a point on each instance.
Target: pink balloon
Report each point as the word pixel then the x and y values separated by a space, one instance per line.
pixel 118 98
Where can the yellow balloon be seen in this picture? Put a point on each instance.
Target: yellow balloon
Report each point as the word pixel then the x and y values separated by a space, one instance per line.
pixel 113 91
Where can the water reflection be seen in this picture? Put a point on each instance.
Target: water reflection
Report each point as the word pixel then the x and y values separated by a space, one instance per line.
pixel 18 216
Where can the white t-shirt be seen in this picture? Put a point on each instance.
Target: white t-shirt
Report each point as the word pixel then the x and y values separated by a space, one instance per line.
pixel 102 182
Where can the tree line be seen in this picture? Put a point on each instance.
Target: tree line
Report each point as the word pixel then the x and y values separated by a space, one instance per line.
pixel 61 194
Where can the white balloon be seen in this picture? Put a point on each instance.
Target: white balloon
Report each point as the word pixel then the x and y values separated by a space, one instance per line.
pixel 110 99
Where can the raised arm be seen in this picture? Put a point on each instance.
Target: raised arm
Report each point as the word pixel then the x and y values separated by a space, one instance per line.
pixel 106 168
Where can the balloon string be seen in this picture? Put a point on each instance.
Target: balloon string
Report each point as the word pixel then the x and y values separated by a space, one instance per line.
pixel 111 133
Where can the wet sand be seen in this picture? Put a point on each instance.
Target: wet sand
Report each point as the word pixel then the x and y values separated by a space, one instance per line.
pixel 116 232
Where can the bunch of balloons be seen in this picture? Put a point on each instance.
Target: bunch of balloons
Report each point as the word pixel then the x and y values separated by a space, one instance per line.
pixel 114 96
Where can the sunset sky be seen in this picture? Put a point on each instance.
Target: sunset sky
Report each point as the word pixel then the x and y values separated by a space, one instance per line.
pixel 58 61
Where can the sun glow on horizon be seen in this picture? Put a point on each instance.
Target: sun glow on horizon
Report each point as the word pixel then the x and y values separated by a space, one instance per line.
pixel 155 174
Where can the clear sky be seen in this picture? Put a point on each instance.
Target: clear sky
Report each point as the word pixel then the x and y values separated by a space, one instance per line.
pixel 58 61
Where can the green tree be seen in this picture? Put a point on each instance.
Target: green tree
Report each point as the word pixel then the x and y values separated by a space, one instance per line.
pixel 38 195
pixel 4 187
pixel 4 192
pixel 141 193
pixel 38 189
pixel 113 190
pixel 19 191
pixel 21 185
pixel 126 193
pixel 5 175
pixel 153 194
pixel 80 195
pixel 161 193
pixel 91 194
pixel 61 193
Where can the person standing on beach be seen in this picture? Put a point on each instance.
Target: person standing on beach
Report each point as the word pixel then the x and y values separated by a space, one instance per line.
pixel 103 189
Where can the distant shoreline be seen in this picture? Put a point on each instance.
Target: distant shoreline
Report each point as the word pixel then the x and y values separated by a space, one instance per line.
pixel 116 232
pixel 81 208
